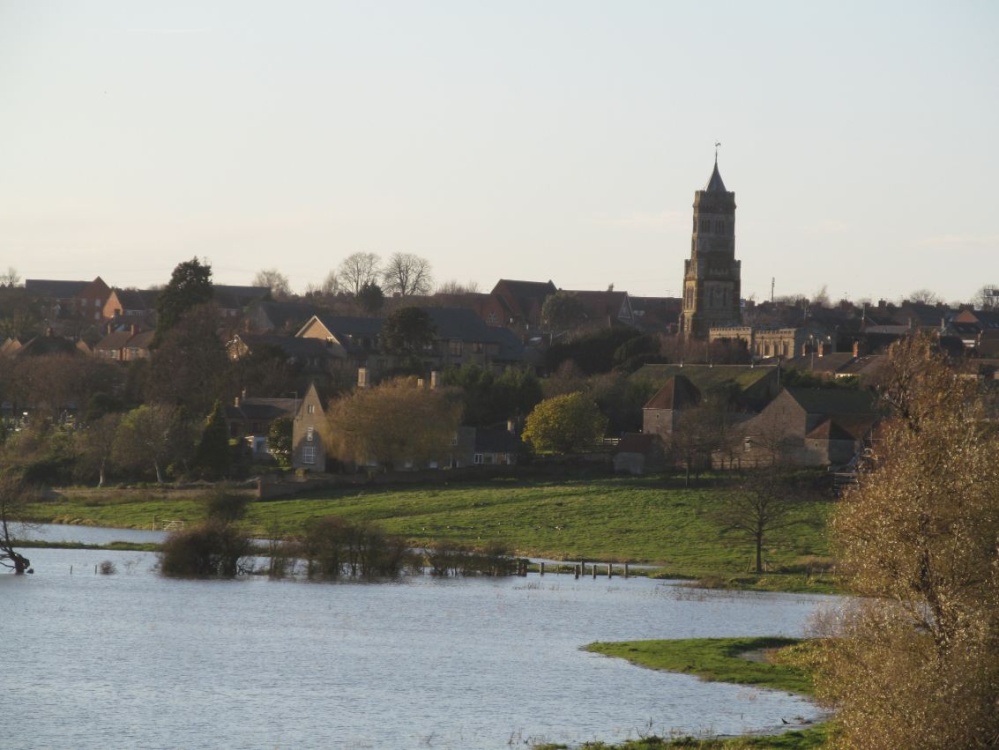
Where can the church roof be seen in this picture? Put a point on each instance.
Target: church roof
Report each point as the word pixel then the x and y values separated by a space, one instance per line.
pixel 715 184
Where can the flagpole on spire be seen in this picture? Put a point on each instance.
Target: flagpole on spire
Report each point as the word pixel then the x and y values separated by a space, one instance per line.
pixel 717 144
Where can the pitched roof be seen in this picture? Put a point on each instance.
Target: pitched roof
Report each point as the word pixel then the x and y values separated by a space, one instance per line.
pixel 707 377
pixel 678 393
pixel 55 288
pixel 496 441
pixel 833 400
pixel 137 299
pixel 262 408
pixel 831 429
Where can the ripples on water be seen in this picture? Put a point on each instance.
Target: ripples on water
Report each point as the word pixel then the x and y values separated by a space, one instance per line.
pixel 135 660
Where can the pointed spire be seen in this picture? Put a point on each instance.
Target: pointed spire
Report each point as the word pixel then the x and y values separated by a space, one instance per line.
pixel 715 184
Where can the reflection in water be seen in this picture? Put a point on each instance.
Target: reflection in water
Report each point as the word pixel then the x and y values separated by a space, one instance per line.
pixel 135 660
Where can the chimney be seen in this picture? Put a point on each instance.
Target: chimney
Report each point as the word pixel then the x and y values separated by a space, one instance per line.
pixel 362 377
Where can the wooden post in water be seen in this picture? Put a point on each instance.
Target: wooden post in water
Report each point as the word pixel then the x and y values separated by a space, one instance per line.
pixel 594 568
pixel 610 571
pixel 626 570
pixel 541 568
pixel 577 572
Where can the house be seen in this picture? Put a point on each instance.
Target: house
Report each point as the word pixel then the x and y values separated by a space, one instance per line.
pixel 656 314
pixel 233 300
pixel 810 427
pixel 460 337
pixel 308 451
pixel 604 309
pixel 752 385
pixel 71 299
pixel 131 306
pixel 311 354
pixel 517 304
pixel 124 345
pixel 267 316
pixel 979 331
pixel 250 419
pixel 661 413
pixel 47 344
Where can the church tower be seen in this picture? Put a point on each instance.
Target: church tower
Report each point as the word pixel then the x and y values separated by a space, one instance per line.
pixel 711 278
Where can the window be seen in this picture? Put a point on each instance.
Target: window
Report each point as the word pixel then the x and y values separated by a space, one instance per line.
pixel 309 455
pixel 310 409
pixel 477 459
pixel 309 434
pixel 454 348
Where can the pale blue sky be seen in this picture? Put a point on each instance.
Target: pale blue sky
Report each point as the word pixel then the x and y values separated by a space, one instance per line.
pixel 538 140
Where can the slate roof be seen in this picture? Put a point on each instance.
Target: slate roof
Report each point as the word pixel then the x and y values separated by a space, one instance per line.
pixel 833 400
pixel 523 299
pixel 137 299
pixel 283 314
pixel 496 441
pixel 262 409
pixel 55 288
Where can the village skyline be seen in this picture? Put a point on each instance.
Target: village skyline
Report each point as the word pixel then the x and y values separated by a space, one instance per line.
pixel 499 141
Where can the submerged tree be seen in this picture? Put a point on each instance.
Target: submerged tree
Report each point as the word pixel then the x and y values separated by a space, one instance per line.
pixel 918 655
pixel 14 496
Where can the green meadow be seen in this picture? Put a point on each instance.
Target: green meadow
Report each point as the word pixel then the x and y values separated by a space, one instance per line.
pixel 768 663
pixel 642 520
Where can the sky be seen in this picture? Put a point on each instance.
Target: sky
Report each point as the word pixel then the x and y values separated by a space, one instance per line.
pixel 561 140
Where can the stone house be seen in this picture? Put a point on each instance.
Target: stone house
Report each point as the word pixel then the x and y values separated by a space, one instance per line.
pixel 810 427
pixel 308 451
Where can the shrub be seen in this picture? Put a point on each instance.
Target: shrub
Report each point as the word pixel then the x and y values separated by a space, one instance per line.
pixel 210 550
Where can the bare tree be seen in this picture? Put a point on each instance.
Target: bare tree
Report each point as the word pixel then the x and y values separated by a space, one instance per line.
pixel 406 274
pixel 11 278
pixel 331 285
pixel 925 296
pixel 357 271
pixel 456 287
pixel 14 496
pixel 767 502
pixel 274 280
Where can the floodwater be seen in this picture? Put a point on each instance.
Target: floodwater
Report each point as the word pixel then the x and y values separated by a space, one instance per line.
pixel 135 660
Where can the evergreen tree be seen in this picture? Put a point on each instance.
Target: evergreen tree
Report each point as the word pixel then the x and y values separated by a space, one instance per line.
pixel 213 457
pixel 190 285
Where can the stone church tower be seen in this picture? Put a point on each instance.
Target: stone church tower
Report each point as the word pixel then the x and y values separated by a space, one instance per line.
pixel 711 278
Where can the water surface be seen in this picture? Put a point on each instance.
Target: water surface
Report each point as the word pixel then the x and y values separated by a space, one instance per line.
pixel 135 660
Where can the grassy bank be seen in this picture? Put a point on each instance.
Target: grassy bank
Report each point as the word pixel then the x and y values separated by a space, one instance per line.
pixel 621 520
pixel 743 661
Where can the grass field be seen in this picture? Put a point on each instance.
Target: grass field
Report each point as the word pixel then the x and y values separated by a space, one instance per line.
pixel 719 660
pixel 641 520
